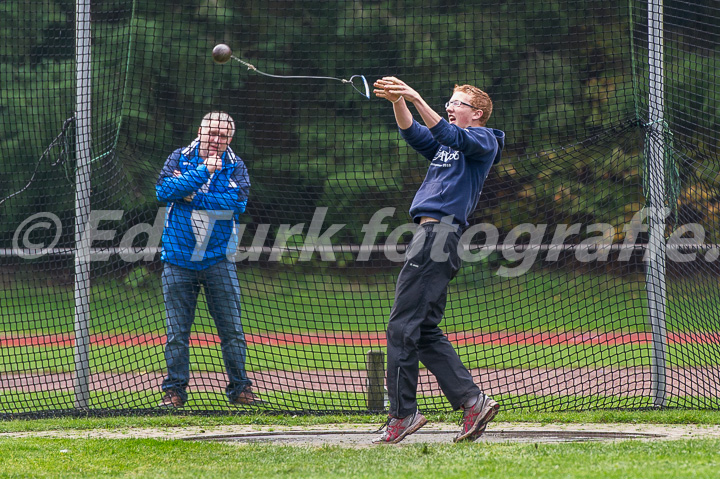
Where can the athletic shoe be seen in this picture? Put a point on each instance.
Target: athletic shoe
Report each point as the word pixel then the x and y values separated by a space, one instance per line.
pixel 172 399
pixel 246 398
pixel 476 418
pixel 396 429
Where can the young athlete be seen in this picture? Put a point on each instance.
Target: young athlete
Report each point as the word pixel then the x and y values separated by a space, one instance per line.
pixel 461 151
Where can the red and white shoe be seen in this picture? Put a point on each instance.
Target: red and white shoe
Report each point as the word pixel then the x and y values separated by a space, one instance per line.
pixel 476 418
pixel 397 429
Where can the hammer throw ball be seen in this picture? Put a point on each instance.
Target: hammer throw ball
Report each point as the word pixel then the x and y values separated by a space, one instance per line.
pixel 221 53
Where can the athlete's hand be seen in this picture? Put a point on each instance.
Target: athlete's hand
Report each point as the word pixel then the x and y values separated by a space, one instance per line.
pixel 381 92
pixel 394 88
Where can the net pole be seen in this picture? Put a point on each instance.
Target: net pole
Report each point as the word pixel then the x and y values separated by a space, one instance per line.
pixel 82 202
pixel 655 273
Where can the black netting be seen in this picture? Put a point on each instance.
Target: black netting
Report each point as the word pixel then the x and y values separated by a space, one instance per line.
pixel 590 275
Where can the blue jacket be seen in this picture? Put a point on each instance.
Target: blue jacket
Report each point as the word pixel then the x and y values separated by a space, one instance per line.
pixel 201 232
pixel 460 160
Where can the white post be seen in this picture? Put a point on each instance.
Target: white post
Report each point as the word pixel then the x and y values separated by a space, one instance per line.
pixel 655 151
pixel 82 202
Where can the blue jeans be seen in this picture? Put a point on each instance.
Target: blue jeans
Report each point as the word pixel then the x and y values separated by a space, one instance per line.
pixel 181 287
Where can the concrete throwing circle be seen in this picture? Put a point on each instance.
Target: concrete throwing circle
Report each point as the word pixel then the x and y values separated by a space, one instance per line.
pixel 424 436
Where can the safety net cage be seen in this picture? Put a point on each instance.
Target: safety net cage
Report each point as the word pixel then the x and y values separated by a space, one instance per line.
pixel 590 265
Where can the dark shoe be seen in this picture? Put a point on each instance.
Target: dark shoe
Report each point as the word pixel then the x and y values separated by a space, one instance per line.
pixel 476 418
pixel 172 399
pixel 396 429
pixel 246 398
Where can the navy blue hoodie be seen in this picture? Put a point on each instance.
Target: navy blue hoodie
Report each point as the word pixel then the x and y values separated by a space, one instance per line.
pixel 460 160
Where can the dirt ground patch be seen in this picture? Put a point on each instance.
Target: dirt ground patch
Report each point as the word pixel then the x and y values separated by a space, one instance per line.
pixel 360 435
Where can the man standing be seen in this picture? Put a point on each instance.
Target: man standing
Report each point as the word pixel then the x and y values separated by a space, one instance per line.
pixel 461 151
pixel 205 186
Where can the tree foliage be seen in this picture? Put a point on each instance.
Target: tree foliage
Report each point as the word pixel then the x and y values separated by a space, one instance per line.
pixel 569 82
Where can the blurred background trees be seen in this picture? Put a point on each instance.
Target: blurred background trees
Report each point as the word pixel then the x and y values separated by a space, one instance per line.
pixel 568 80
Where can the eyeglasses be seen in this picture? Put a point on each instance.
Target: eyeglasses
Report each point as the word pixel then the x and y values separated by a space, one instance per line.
pixel 457 103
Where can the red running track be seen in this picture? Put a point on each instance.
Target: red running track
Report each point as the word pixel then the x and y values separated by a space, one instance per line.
pixel 364 339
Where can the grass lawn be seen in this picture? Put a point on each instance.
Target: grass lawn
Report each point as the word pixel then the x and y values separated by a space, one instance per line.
pixel 45 457
pixel 149 458
pixel 285 300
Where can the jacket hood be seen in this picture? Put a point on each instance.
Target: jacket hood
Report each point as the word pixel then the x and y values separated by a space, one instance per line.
pixel 500 136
